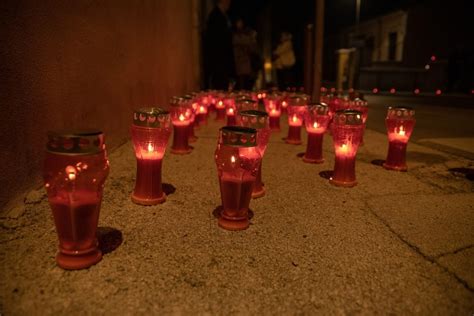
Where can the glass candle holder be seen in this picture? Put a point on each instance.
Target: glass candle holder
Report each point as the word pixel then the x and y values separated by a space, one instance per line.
pixel 400 122
pixel 296 110
pixel 273 108
pixel 316 122
pixel 347 134
pixel 237 158
pixel 75 170
pixel 202 110
pixel 181 118
pixel 361 105
pixel 194 123
pixel 257 120
pixel 220 107
pixel 245 104
pixel 151 130
pixel 191 116
pixel 230 109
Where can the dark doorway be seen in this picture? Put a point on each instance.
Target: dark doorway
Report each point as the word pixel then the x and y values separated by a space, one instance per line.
pixel 392 45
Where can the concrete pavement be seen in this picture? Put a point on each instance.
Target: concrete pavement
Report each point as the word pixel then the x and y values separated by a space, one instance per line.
pixel 396 243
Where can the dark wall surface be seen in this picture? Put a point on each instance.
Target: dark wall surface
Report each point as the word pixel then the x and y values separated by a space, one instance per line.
pixel 75 64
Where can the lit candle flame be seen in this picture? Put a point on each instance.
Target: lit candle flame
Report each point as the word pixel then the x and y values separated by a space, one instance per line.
pixel 315 124
pixel 71 173
pixel 294 118
pixel 150 148
pixel 232 159
pixel 283 104
pixel 201 109
pixel 181 117
pixel 231 111
pixel 401 131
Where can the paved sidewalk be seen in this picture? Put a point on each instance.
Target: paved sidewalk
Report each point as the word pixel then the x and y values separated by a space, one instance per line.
pixel 397 243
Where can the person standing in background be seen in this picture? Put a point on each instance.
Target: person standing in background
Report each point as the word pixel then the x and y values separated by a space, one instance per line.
pixel 284 60
pixel 218 51
pixel 245 48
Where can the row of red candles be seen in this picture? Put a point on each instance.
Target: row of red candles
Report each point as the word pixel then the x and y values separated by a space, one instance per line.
pixel 76 165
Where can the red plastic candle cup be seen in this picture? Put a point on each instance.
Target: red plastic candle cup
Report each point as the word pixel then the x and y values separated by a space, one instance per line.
pixel 347 134
pixel 75 171
pixel 245 104
pixel 273 108
pixel 316 122
pixel 220 109
pixel 400 122
pixel 361 105
pixel 201 114
pixel 151 131
pixel 230 109
pixel 191 116
pixel 257 120
pixel 180 117
pixel 237 159
pixel 296 110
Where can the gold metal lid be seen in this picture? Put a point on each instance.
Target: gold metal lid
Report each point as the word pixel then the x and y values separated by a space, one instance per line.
pixel 401 112
pixel 298 100
pixel 151 117
pixel 348 117
pixel 238 136
pixel 318 108
pixel 75 142
pixel 180 100
pixel 254 118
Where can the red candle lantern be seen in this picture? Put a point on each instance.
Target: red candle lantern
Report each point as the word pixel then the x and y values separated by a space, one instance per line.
pixel 237 159
pixel 213 96
pixel 75 170
pixel 202 109
pixel 400 122
pixel 151 130
pixel 191 115
pixel 257 120
pixel 296 110
pixel 243 104
pixel 220 107
pixel 230 109
pixel 347 134
pixel 361 105
pixel 272 104
pixel 316 121
pixel 180 117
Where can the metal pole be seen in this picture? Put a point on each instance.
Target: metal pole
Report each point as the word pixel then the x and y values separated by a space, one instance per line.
pixel 357 11
pixel 318 50
pixel 308 59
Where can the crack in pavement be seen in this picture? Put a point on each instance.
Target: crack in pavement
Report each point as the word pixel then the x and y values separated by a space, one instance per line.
pixel 454 251
pixel 418 251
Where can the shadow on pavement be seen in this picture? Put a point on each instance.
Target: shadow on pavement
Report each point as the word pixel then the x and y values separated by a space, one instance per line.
pixel 109 239
pixel 467 172
pixel 168 188
pixel 326 174
pixel 378 162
